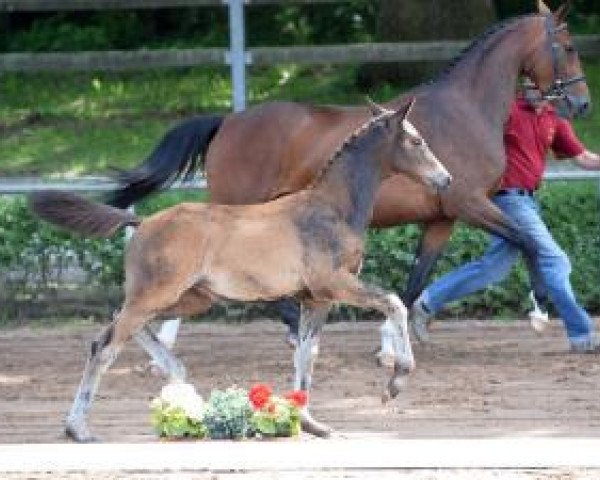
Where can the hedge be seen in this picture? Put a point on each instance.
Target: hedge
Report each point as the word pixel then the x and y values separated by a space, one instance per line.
pixel 41 263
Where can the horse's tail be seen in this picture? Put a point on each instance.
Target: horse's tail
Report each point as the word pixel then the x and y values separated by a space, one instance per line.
pixel 178 154
pixel 78 214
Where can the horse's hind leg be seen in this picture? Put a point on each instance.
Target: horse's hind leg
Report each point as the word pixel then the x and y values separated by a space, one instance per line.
pixel 103 353
pixel 313 316
pixel 435 236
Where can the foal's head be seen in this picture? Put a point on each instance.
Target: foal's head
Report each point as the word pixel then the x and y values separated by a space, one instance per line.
pixel 407 151
pixel 554 62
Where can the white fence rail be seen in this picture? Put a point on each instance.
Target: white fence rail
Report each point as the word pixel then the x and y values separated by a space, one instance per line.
pixel 24 185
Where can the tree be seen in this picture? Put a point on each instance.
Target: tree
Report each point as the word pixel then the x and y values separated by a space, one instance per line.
pixel 414 20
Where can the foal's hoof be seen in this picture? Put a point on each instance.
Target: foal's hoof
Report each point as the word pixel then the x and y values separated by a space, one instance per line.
pixel 80 435
pixel 318 429
pixel 386 360
pixel 393 388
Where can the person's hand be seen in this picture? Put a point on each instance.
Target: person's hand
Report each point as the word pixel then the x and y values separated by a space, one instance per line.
pixel 588 160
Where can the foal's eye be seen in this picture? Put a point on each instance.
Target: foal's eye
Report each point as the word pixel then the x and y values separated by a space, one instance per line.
pixel 417 142
pixel 569 48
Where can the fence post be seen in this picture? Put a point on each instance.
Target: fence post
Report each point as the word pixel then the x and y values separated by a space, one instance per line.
pixel 237 53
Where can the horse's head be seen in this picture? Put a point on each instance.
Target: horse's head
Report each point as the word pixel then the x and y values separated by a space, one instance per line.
pixel 407 151
pixel 554 63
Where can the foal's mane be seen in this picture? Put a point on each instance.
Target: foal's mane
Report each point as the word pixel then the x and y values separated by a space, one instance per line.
pixel 480 42
pixel 364 129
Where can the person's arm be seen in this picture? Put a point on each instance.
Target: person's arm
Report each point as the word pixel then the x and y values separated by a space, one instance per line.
pixel 588 160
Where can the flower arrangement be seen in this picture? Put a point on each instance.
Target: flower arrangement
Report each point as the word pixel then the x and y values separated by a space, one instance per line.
pixel 179 413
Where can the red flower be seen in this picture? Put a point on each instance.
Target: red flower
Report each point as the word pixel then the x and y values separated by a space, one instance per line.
pixel 298 397
pixel 259 395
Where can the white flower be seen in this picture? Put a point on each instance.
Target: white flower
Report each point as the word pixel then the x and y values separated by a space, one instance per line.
pixel 184 396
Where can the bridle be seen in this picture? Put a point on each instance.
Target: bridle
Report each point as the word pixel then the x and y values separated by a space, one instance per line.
pixel 557 90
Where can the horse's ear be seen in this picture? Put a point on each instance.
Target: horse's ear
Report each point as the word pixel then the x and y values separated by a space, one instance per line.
pixel 561 12
pixel 543 8
pixel 407 109
pixel 376 109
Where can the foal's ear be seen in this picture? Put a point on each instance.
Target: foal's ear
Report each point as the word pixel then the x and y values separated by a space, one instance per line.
pixel 543 8
pixel 561 12
pixel 404 112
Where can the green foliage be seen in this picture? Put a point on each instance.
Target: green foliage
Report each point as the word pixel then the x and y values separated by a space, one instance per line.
pixel 39 256
pixel 228 414
pixel 283 420
pixel 173 422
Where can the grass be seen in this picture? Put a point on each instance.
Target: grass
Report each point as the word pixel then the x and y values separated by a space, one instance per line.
pixel 84 123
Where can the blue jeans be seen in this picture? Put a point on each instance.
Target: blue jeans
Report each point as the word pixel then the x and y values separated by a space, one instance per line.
pixel 553 269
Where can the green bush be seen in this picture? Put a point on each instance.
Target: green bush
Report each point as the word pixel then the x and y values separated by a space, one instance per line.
pixel 36 256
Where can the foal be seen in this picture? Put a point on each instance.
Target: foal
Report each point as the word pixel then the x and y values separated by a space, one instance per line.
pixel 308 244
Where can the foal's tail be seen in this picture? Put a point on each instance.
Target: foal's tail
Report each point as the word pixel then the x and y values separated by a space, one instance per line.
pixel 75 213
pixel 177 155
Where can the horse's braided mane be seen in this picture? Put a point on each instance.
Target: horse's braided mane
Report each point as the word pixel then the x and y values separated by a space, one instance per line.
pixel 479 41
pixel 363 129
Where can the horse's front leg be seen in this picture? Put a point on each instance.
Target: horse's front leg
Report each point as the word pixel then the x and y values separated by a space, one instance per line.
pixel 313 316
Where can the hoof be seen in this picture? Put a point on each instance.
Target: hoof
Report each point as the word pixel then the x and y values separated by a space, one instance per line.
pixel 291 339
pixel 386 360
pixel 80 435
pixel 318 429
pixel 393 388
pixel 150 369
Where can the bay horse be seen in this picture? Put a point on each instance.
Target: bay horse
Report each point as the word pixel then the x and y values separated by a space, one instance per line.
pixel 276 148
pixel 307 245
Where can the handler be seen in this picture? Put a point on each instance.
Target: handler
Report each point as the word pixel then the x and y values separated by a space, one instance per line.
pixel 533 128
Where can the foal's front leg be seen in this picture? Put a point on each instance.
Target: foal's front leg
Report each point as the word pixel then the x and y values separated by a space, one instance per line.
pixel 353 292
pixel 313 316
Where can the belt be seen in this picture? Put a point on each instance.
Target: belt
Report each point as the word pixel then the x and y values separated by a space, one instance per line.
pixel 515 191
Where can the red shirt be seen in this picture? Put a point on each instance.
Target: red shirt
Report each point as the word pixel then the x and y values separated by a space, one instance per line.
pixel 528 136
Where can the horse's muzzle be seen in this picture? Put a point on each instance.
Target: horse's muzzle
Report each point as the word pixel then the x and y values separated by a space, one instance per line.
pixel 576 106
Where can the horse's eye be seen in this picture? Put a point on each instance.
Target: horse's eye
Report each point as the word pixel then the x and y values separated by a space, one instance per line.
pixel 417 142
pixel 569 48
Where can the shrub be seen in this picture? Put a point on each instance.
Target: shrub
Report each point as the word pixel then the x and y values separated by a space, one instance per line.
pixel 36 257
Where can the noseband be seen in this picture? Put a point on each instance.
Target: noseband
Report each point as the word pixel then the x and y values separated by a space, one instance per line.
pixel 558 88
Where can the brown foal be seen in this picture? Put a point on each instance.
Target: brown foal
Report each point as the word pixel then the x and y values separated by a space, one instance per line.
pixel 308 245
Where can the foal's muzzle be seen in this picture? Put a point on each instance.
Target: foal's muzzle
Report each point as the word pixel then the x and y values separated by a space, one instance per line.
pixel 441 181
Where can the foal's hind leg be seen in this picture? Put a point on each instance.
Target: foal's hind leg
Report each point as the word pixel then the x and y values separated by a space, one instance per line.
pixel 192 302
pixel 313 316
pixel 162 357
pixel 103 353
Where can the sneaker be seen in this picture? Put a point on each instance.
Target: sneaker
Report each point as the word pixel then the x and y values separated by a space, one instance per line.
pixel 419 319
pixel 591 346
pixel 538 317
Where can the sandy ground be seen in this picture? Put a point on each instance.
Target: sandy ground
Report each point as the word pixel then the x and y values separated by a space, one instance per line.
pixel 477 379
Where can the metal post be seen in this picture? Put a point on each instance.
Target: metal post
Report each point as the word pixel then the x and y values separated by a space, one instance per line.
pixel 237 54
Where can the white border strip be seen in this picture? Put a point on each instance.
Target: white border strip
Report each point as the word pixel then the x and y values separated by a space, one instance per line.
pixel 370 453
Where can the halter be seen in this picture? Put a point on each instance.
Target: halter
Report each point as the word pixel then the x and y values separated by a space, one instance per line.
pixel 557 90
